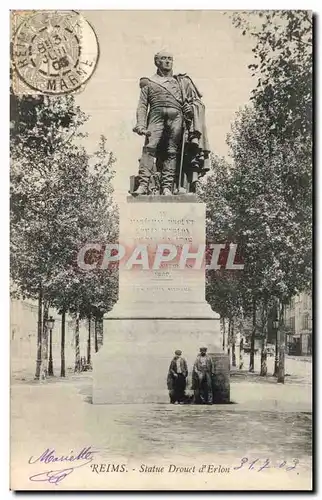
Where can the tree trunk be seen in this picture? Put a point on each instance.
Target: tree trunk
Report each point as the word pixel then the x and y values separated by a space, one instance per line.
pixel 44 363
pixel 277 348
pixel 263 371
pixel 229 340
pixel 96 326
pixel 39 335
pixel 281 360
pixel 222 329
pixel 100 340
pixel 50 363
pixel 233 344
pixel 89 342
pixel 277 345
pixel 62 345
pixel 252 342
pixel 77 350
pixel 241 339
pixel 241 353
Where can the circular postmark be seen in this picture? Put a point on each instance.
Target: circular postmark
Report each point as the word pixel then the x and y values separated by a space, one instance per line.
pixel 55 52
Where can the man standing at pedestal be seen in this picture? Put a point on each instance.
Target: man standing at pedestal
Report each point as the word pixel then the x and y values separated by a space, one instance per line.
pixel 177 375
pixel 202 373
pixel 168 105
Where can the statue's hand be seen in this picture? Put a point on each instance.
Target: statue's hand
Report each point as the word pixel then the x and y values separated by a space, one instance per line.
pixel 187 110
pixel 141 131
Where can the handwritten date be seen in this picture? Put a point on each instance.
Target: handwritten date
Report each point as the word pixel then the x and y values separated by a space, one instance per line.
pixel 259 465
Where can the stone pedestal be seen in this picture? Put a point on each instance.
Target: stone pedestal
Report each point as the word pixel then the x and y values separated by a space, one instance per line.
pixel 221 378
pixel 159 310
pixel 133 363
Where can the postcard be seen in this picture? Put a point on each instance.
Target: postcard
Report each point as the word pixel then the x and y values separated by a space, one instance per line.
pixel 161 250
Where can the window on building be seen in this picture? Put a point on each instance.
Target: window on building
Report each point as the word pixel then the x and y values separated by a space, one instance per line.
pixel 305 321
pixel 309 299
pixel 309 344
pixel 292 303
pixel 305 301
pixel 292 324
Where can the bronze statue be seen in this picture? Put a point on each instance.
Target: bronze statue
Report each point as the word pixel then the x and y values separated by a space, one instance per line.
pixel 171 116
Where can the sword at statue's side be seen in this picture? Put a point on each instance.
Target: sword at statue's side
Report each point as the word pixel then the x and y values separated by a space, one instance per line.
pixel 182 154
pixel 184 100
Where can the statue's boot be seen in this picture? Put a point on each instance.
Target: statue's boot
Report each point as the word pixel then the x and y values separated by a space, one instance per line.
pixel 146 170
pixel 140 190
pixel 166 192
pixel 168 173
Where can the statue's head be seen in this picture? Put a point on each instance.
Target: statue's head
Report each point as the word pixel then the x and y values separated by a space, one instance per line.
pixel 163 61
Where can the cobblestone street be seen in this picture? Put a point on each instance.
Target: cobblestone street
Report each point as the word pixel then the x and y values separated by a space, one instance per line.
pixel 268 421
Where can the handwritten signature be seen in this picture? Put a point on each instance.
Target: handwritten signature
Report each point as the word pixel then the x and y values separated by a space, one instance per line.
pixel 258 466
pixel 49 456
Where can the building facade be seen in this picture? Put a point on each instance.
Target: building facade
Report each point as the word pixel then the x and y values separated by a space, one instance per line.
pixel 23 337
pixel 299 325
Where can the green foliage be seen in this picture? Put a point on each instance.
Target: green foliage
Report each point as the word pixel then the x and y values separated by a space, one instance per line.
pixel 61 198
pixel 283 67
pixel 263 200
pixel 271 145
pixel 42 124
pixel 271 212
pixel 213 192
pixel 223 288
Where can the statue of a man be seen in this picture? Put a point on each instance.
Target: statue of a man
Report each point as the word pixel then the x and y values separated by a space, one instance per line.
pixel 170 114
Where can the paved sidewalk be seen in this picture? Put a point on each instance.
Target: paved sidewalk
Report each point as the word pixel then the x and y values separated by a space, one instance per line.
pixel 266 420
pixel 262 425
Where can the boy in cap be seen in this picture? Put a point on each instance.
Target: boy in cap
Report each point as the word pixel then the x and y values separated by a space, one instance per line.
pixel 177 378
pixel 202 372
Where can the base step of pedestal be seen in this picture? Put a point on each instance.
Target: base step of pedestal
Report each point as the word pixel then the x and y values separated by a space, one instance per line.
pixel 132 365
pixel 221 378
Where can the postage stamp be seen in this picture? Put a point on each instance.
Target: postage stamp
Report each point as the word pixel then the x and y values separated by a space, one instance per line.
pixel 53 52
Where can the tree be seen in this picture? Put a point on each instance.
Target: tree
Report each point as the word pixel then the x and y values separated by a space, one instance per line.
pixel 270 221
pixel 282 103
pixel 90 294
pixel 224 288
pixel 221 285
pixel 263 200
pixel 264 329
pixel 58 196
pixel 283 67
pixel 62 347
pixel 40 127
pixel 87 294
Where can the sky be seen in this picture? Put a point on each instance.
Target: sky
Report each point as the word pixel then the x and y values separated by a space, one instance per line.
pixel 205 45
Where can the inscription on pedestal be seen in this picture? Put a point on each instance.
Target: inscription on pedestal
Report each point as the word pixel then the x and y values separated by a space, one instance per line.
pixel 149 225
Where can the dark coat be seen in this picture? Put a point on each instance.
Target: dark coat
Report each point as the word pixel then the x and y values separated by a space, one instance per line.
pixel 154 93
pixel 198 369
pixel 173 369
